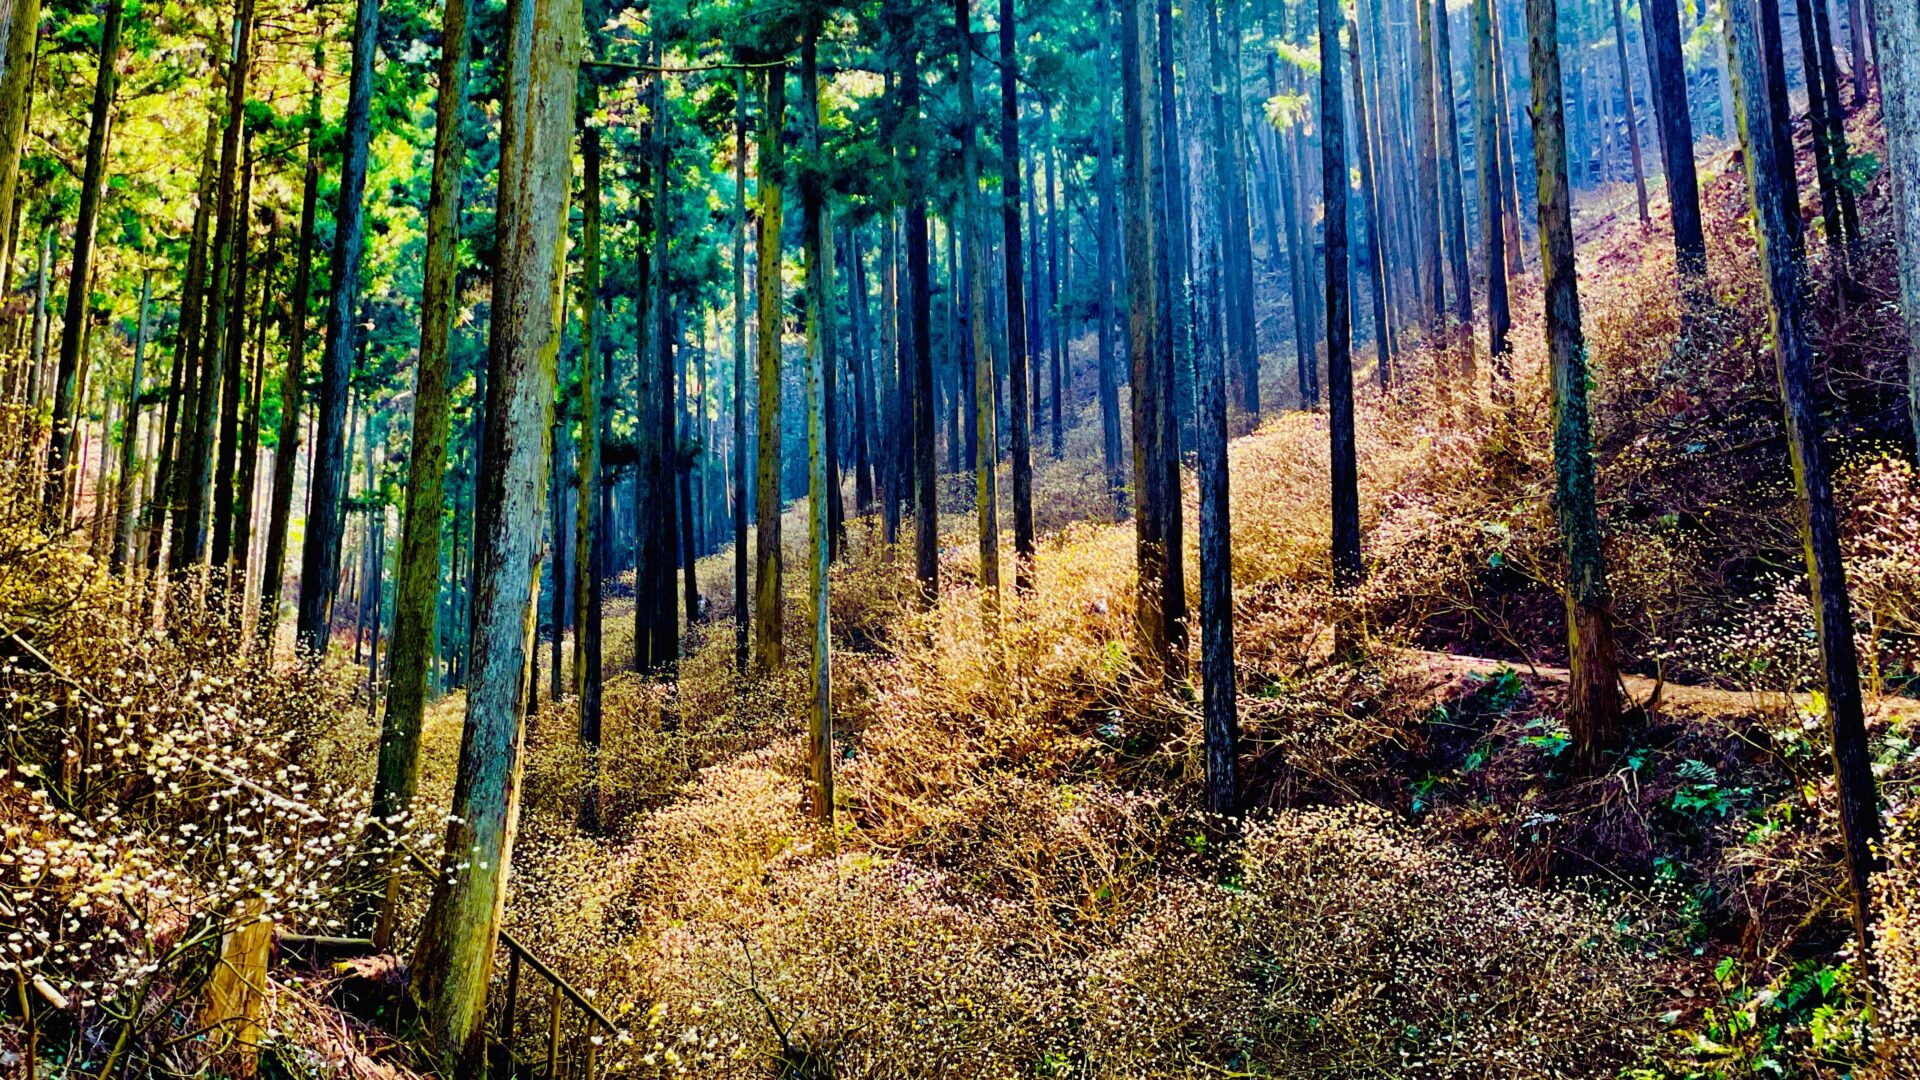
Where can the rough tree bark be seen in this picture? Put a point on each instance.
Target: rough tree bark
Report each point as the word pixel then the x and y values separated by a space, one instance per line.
pixel 320 552
pixel 1020 410
pixel 1347 567
pixel 1593 704
pixel 452 969
pixel 768 653
pixel 79 280
pixel 1775 225
pixel 293 385
pixel 417 587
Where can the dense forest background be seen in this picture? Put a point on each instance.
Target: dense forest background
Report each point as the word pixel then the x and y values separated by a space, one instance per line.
pixel 1105 538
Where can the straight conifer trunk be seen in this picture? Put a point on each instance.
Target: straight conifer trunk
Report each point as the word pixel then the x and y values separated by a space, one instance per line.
pixel 742 614
pixel 293 387
pixel 1451 193
pixel 1426 138
pixel 320 554
pixel 926 493
pixel 1593 704
pixel 1218 705
pixel 985 416
pixel 1018 377
pixel 1897 30
pixel 589 556
pixel 416 592
pixel 817 255
pixel 65 400
pixel 21 44
pixel 126 501
pixel 768 651
pixel 1108 228
pixel 1667 68
pixel 452 969
pixel 1347 567
pixel 1375 250
pixel 1493 197
pixel 1633 126
pixel 1776 225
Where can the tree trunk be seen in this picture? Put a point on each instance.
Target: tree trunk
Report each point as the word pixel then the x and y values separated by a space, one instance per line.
pixel 1633 126
pixel 1347 567
pixel 816 254
pixel 1775 227
pixel 926 492
pixel 19 54
pixel 130 435
pixel 233 391
pixel 293 386
pixel 416 592
pixel 1426 134
pixel 79 279
pixel 742 615
pixel 985 417
pixel 1493 196
pixel 1374 251
pixel 1451 193
pixel 452 969
pixel 320 554
pixel 1897 29
pixel 767 605
pixel 250 427
pixel 1509 181
pixel 589 554
pixel 1109 229
pixel 1018 376
pixel 1218 706
pixel 1149 379
pixel 1593 704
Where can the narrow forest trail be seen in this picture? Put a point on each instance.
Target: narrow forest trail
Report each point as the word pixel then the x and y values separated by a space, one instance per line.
pixel 1643 691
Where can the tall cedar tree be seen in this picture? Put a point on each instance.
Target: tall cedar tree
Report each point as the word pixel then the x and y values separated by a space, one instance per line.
pixel 768 651
pixel 986 499
pixel 19 40
pixel 125 501
pixel 231 323
pixel 1593 702
pixel 186 358
pixel 190 537
pixel 1626 83
pixel 1019 409
pixel 293 382
pixel 1897 36
pixel 1347 567
pixel 1374 251
pixel 1107 228
pixel 1493 197
pixel 1451 195
pixel 589 545
pixel 320 550
pixel 1217 693
pixel 79 281
pixel 926 493
pixel 1666 66
pixel 816 255
pixel 1776 226
pixel 1430 279
pixel 453 967
pixel 1143 310
pixel 416 603
pixel 742 614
